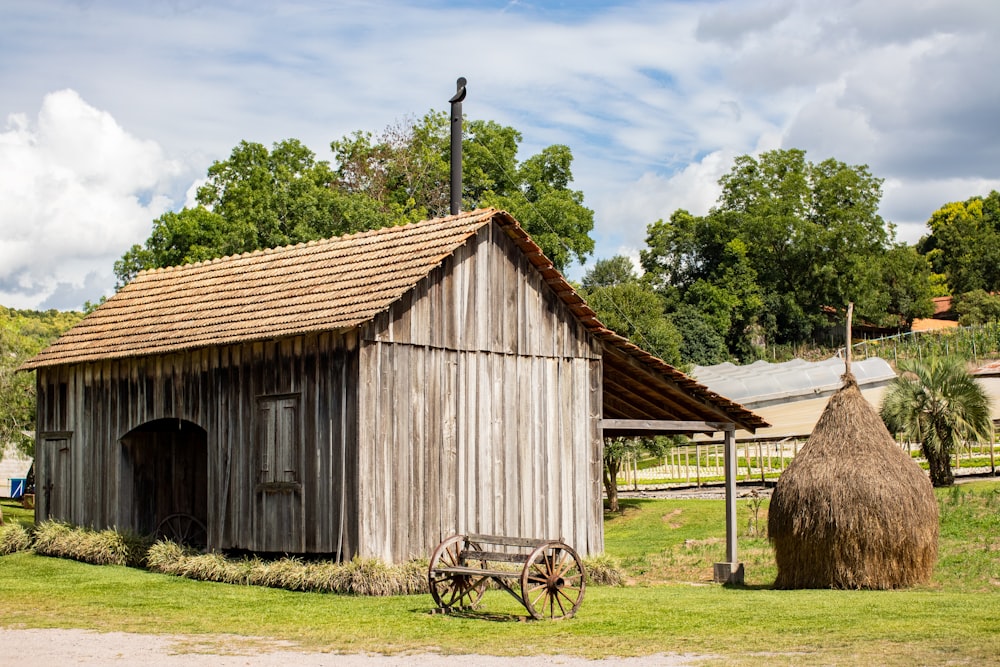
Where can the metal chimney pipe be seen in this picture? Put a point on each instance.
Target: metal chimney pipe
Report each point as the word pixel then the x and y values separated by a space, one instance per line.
pixel 456 146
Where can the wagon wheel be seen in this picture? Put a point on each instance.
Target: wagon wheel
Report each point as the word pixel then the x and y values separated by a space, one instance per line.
pixel 450 590
pixel 183 529
pixel 553 581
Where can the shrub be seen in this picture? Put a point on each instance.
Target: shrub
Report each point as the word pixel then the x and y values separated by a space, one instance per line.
pixel 103 547
pixel 359 576
pixel 604 570
pixel 13 538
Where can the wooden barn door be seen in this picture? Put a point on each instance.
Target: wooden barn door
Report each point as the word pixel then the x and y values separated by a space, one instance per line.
pixel 56 478
pixel 164 481
pixel 279 512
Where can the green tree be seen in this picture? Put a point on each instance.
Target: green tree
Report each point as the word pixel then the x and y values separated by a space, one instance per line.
pixel 786 238
pixel 23 333
pixel 255 199
pixel 701 343
pixel 964 243
pixel 260 198
pixel 631 308
pixel 903 289
pixel 405 170
pixel 609 272
pixel 977 307
pixel 938 404
pixel 17 390
pixel 618 450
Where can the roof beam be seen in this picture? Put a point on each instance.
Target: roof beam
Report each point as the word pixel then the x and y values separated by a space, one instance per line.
pixel 660 426
pixel 684 399
pixel 642 394
pixel 629 403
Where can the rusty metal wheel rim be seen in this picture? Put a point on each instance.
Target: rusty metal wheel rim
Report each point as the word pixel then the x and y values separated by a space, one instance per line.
pixel 184 529
pixel 553 582
pixel 454 591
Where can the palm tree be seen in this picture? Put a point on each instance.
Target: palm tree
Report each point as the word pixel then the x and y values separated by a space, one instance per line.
pixel 938 404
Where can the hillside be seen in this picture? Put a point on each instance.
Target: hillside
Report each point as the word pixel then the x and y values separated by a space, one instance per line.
pixel 23 333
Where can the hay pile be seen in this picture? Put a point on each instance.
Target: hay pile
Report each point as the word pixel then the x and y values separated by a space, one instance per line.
pixel 852 510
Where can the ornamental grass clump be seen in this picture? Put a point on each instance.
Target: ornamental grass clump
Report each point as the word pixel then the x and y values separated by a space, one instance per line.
pixel 604 570
pixel 366 576
pixel 852 510
pixel 359 576
pixel 98 547
pixel 13 538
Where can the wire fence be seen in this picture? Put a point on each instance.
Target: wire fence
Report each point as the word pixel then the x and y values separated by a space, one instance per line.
pixel 763 460
pixel 972 343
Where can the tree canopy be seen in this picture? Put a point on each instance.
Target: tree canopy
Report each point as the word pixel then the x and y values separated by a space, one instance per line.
pixel 631 307
pixel 260 198
pixel 23 333
pixel 254 199
pixel 787 240
pixel 964 244
pixel 405 170
pixel 939 404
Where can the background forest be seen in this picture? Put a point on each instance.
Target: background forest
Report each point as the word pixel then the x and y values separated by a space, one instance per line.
pixel 766 272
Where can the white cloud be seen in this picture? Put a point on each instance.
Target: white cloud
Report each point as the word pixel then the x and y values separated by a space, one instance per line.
pixel 910 203
pixel 76 191
pixel 653 98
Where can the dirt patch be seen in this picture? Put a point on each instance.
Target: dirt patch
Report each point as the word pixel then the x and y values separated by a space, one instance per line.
pixel 47 647
pixel 715 492
pixel 669 519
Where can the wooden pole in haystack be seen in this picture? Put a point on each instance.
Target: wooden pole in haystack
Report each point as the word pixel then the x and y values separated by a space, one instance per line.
pixel 847 337
pixel 852 510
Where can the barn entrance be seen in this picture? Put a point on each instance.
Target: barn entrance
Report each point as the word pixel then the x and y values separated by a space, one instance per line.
pixel 165 480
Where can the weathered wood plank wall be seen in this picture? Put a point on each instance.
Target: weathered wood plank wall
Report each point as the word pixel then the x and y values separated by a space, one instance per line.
pixel 479 401
pixel 473 404
pixel 86 410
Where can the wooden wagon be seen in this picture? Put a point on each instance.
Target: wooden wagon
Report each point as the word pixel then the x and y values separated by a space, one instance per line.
pixel 546 576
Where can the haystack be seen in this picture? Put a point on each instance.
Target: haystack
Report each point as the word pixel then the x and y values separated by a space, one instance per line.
pixel 852 510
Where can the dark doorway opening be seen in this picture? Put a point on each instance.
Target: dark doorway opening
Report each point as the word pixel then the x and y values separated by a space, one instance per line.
pixel 165 480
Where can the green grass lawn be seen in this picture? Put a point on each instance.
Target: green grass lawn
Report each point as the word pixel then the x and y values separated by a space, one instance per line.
pixel 667 548
pixel 13 511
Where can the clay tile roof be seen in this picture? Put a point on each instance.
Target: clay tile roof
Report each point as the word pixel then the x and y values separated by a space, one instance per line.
pixel 334 284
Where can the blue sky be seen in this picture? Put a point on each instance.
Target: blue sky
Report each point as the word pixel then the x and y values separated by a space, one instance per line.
pixel 112 110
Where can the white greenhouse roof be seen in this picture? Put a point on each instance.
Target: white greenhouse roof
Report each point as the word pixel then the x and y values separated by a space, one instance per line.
pixel 762 383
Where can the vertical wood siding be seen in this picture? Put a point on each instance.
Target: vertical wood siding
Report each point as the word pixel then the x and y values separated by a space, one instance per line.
pixel 473 404
pixel 87 412
pixel 479 405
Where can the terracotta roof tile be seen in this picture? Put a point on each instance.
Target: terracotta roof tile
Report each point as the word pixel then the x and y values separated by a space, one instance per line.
pixel 337 283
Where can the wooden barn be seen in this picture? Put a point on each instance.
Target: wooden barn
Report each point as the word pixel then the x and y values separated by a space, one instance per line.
pixel 364 395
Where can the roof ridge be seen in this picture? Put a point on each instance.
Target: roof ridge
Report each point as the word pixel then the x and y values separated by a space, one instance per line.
pixel 353 236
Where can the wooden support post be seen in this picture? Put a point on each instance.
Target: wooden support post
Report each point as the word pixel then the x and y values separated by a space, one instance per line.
pixel 730 572
pixel 697 456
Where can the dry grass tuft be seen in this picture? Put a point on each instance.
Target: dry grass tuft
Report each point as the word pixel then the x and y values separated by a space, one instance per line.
pixel 98 547
pixel 13 538
pixel 852 510
pixel 604 570
pixel 360 576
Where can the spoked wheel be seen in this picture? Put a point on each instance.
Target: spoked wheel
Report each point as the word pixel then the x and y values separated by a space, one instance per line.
pixel 553 581
pixel 183 529
pixel 451 590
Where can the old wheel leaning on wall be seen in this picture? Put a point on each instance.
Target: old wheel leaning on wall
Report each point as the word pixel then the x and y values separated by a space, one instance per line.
pixel 184 529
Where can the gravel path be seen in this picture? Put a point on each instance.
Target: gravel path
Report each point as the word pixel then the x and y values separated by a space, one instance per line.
pixel 49 647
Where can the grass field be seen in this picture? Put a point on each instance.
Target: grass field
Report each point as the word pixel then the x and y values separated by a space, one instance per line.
pixel 667 548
